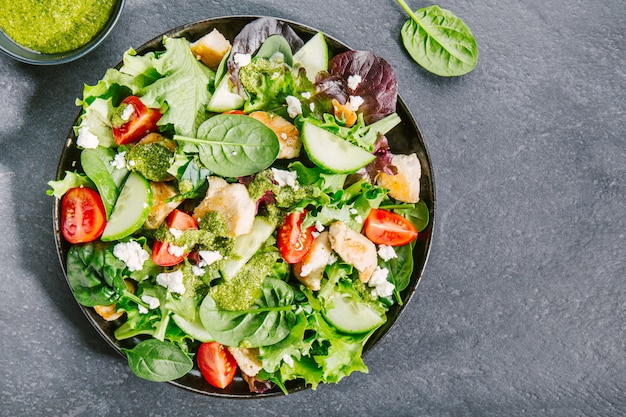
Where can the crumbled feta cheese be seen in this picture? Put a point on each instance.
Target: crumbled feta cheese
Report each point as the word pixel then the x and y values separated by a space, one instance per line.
pixel 176 250
pixel 173 281
pixel 208 257
pixel 242 60
pixel 132 254
pixel 176 232
pixel 285 178
pixel 152 302
pixel 319 226
pixel 387 252
pixel 312 106
pixel 127 112
pixel 288 360
pixel 86 139
pixel 358 219
pixel 306 95
pixel 306 269
pixel 142 309
pixel 119 162
pixel 354 81
pixel 197 271
pixel 332 259
pixel 354 102
pixel 379 284
pixel 353 211
pixel 315 234
pixel 294 107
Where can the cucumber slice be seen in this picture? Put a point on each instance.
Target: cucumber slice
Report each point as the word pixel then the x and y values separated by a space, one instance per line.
pixel 223 99
pixel 313 56
pixel 246 246
pixel 194 328
pixel 350 315
pixel 131 208
pixel 332 153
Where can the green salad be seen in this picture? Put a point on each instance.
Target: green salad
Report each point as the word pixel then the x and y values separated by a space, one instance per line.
pixel 237 207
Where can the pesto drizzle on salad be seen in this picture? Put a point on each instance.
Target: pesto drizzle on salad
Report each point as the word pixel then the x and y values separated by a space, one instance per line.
pixel 289 262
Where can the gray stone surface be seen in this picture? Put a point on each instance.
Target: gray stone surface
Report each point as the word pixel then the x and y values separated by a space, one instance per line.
pixel 522 307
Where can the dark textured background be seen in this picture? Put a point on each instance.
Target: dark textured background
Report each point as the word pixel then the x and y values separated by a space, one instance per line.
pixel 522 309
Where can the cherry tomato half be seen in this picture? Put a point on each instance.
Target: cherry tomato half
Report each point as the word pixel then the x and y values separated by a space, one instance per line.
pixel 216 363
pixel 161 254
pixel 142 121
pixel 82 215
pixel 293 242
pixel 384 227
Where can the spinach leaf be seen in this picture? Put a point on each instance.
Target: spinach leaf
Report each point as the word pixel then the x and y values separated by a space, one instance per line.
pixel 418 214
pixel 400 268
pixel 159 361
pixel 273 44
pixel 108 179
pixel 95 274
pixel 439 41
pixel 267 322
pixel 234 145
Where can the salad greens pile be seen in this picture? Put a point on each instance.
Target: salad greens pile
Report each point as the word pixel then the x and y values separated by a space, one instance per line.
pixel 270 182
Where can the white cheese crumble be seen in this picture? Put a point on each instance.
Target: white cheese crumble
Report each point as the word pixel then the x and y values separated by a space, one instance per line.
pixel 152 302
pixel 197 271
pixel 173 281
pixel 306 95
pixel 209 257
pixel 119 162
pixel 176 232
pixel 354 81
pixel 86 139
pixel 386 252
pixel 379 284
pixel 285 178
pixel 312 106
pixel 332 259
pixel 176 250
pixel 132 254
pixel 294 107
pixel 127 112
pixel 242 60
pixel 354 102
pixel 319 226
pixel 288 360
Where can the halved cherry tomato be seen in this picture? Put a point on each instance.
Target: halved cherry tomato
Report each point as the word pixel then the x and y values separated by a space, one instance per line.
pixel 235 112
pixel 82 215
pixel 161 254
pixel 216 364
pixel 384 227
pixel 142 121
pixel 293 242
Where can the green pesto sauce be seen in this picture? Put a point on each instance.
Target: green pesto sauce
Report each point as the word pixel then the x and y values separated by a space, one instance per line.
pixel 54 26
pixel 240 292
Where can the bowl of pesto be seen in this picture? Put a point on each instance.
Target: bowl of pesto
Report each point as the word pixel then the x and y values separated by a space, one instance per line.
pixel 36 32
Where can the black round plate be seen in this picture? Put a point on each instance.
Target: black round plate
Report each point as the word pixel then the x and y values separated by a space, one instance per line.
pixel 404 138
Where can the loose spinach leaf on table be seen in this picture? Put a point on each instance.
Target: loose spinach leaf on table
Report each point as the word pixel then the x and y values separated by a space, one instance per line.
pixel 234 145
pixel 439 41
pixel 159 361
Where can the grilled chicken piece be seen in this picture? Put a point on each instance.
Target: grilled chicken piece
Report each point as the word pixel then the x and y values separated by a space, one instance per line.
pixel 232 202
pixel 309 271
pixel 354 248
pixel 287 133
pixel 211 48
pixel 247 360
pixel 161 208
pixel 405 185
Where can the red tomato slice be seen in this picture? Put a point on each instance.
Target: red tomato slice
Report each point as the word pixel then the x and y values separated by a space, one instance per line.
pixel 216 364
pixel 82 215
pixel 142 121
pixel 179 220
pixel 293 242
pixel 386 228
pixel 241 112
